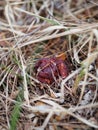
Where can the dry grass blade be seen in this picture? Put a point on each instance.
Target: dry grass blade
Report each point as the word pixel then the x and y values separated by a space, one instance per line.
pixel 26 93
pixel 70 32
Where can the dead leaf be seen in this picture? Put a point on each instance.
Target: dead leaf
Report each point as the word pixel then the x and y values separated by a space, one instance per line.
pixel 61 56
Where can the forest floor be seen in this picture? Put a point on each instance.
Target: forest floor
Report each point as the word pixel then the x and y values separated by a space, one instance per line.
pixel 32 30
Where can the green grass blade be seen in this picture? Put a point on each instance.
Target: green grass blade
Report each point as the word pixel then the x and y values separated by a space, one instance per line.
pixel 16 111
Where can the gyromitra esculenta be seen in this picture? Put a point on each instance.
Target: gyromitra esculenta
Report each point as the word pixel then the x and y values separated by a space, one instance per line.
pixel 48 70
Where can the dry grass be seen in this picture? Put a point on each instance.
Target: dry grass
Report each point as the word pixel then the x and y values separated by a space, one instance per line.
pixel 30 30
